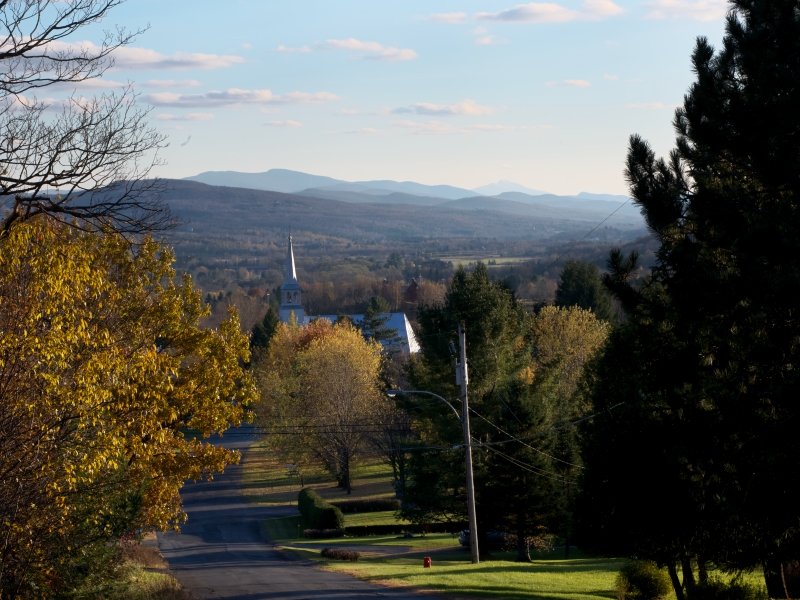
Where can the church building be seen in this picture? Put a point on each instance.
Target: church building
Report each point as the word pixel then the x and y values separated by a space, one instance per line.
pixel 292 304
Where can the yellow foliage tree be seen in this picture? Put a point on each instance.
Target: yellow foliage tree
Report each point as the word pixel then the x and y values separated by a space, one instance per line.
pixel 102 366
pixel 565 339
pixel 321 391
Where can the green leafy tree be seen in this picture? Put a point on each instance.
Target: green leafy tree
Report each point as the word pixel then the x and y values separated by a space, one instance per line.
pixel 373 325
pixel 580 285
pixel 522 369
pixel 263 331
pixel 708 361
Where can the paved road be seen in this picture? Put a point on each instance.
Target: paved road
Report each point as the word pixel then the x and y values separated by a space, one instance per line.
pixel 221 552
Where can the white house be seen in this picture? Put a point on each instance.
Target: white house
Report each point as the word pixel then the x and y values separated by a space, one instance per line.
pixel 291 304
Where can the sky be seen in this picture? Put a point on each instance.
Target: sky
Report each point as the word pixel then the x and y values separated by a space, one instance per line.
pixel 464 93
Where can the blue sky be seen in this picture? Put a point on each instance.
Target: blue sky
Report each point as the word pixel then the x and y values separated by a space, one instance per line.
pixel 458 92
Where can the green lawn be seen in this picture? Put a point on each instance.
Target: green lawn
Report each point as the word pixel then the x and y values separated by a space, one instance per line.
pixel 452 572
pixel 264 480
pixel 577 579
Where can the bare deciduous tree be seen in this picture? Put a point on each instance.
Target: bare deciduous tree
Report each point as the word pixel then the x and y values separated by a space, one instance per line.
pixel 88 162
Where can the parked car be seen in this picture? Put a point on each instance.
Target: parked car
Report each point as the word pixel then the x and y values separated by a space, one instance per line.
pixel 496 539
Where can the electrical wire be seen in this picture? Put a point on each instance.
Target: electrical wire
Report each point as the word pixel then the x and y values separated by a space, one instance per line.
pixel 587 235
pixel 531 468
pixel 472 410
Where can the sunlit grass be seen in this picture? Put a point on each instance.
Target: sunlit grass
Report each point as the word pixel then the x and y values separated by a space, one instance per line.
pixel 265 480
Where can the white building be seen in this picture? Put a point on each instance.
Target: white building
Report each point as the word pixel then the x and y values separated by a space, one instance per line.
pixel 291 304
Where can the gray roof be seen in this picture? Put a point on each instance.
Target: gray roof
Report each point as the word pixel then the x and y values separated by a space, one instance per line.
pixel 397 321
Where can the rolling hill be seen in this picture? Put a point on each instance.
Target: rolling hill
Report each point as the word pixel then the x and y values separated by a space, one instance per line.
pixel 217 211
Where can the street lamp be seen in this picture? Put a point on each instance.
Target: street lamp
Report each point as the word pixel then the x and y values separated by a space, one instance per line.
pixel 473 525
pixel 393 393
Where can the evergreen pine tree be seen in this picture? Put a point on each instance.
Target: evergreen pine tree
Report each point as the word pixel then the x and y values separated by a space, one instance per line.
pixel 580 285
pixel 263 331
pixel 708 360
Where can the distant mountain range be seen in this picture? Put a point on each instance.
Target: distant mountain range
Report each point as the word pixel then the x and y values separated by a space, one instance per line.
pixel 225 212
pixel 502 186
pixel 404 192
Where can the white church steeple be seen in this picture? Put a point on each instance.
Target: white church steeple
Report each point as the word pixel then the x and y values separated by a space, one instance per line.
pixel 291 294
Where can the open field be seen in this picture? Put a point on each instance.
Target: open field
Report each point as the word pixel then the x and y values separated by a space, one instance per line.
pixel 264 480
pixel 395 561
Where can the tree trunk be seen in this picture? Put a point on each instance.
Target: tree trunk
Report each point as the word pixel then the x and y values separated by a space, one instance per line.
pixel 566 544
pixel 676 582
pixel 346 473
pixel 523 552
pixel 702 570
pixel 688 574
pixel 782 578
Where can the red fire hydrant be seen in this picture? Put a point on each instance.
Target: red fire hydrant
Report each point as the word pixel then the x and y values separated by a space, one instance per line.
pixel 426 562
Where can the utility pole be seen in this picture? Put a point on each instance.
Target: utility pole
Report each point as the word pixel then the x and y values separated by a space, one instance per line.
pixel 461 376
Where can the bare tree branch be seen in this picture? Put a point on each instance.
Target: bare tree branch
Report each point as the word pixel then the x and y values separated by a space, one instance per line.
pixel 88 162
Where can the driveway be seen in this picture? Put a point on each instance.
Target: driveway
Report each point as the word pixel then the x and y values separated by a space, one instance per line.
pixel 222 553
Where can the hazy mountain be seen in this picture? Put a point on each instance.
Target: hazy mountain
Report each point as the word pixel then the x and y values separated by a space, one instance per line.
pixel 495 189
pixel 418 189
pixel 588 213
pixel 358 188
pixel 611 197
pixel 333 192
pixel 567 203
pixel 222 213
pixel 275 180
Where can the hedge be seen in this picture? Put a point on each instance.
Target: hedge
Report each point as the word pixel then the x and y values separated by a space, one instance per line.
pixel 377 504
pixel 323 533
pixel 400 529
pixel 318 513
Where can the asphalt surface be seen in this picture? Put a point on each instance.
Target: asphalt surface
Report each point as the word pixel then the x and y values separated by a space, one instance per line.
pixel 221 551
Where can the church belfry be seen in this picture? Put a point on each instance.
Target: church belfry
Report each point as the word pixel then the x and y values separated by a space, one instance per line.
pixel 291 294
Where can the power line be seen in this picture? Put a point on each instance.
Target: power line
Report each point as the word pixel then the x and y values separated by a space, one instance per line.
pixel 587 235
pixel 523 443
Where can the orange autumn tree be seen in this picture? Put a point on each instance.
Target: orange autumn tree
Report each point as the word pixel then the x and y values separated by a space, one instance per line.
pixel 103 364
pixel 321 395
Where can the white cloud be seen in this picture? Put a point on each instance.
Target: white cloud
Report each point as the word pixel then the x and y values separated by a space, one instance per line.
pixel 365 130
pixel 537 127
pixel 490 40
pixel 491 127
pixel 548 12
pixel 132 58
pixel 453 17
pixel 440 128
pixel 569 83
pixel 286 49
pixel 373 50
pixel 172 83
pixel 236 96
pixel 478 31
pixel 93 84
pixel 189 117
pixel 465 107
pixel 649 105
pixel 247 46
pixel 700 10
pixel 289 124
pixel 610 77
pixel 348 111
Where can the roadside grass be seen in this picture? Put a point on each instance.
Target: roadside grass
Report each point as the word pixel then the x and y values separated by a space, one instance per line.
pixel 575 579
pixel 265 481
pixel 136 577
pixel 395 561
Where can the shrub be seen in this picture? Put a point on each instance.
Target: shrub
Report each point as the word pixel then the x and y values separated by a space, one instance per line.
pixel 323 533
pixel 399 528
pixel 642 580
pixel 340 554
pixel 318 513
pixel 374 505
pixel 716 589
